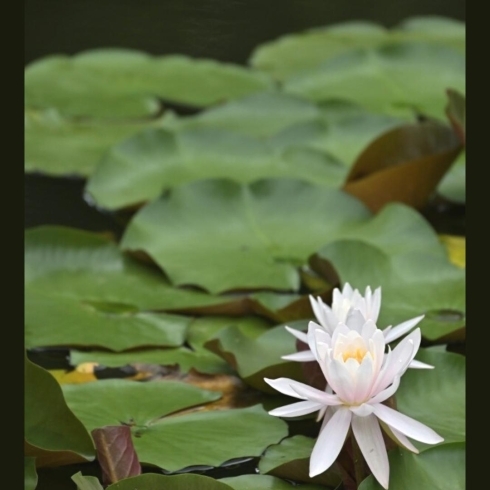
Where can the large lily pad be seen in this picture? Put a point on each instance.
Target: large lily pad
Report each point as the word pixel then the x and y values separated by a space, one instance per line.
pixel 142 167
pixel 223 236
pixel 263 482
pixel 257 358
pixel 259 115
pixel 387 79
pixel 436 397
pixel 56 320
pixel 184 439
pixel 399 251
pixel 152 481
pixel 439 468
pixel 293 53
pixel 112 83
pixel 342 130
pixel 52 432
pixel 60 146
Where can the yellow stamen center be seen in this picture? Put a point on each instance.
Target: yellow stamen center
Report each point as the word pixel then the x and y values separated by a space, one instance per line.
pixel 356 353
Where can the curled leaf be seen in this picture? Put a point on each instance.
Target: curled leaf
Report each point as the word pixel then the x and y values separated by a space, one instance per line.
pixel 404 164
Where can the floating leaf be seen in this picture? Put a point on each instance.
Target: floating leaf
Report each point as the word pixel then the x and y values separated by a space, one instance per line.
pixel 56 320
pixel 30 474
pixel 258 115
pixel 343 130
pixel 255 359
pixel 142 167
pixel 58 146
pixel 386 79
pixel 52 433
pixel 453 184
pixel 439 468
pixel 262 482
pixel 115 453
pixel 118 83
pixel 290 459
pixel 419 154
pixel 436 397
pixel 399 251
pixel 222 235
pixel 86 482
pixel 174 442
pixel 293 53
pixel 151 481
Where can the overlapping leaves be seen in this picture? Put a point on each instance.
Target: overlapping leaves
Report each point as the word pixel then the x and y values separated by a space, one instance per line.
pixel 118 83
pixel 222 236
pixel 194 437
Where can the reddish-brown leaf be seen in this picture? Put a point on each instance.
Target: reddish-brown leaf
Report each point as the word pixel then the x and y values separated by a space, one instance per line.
pixel 115 453
pixel 404 164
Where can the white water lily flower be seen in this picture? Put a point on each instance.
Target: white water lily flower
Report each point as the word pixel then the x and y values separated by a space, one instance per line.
pixel 344 305
pixel 360 376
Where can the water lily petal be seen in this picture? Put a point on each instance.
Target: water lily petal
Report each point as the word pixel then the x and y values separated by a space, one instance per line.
pixel 370 439
pixel 419 365
pixel 330 441
pixel 312 394
pixel 386 393
pixel 298 334
pixel 401 329
pixel 403 440
pixel 323 314
pixel 301 356
pixel 362 410
pixel 406 425
pixel 283 385
pixel 395 364
pixel 375 305
pixel 297 409
pixel 341 381
pixel 355 320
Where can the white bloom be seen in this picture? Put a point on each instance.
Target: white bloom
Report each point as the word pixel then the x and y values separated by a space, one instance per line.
pixel 344 306
pixel 360 376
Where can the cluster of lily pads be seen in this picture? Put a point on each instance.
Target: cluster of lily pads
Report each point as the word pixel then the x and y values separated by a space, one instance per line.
pixel 241 194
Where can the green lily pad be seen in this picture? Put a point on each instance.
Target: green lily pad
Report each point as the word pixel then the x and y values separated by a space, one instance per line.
pixel 399 251
pixel 204 328
pixel 56 320
pixel 53 434
pixel 59 146
pixel 118 83
pixel 439 468
pixel 387 79
pixel 30 473
pixel 453 184
pixel 343 131
pixel 173 442
pixel 290 459
pixel 222 235
pixel 80 290
pixel 263 482
pixel 259 358
pixel 142 167
pixel 86 482
pixel 258 115
pixel 151 481
pixel 294 53
pixel 436 397
pixel 202 360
